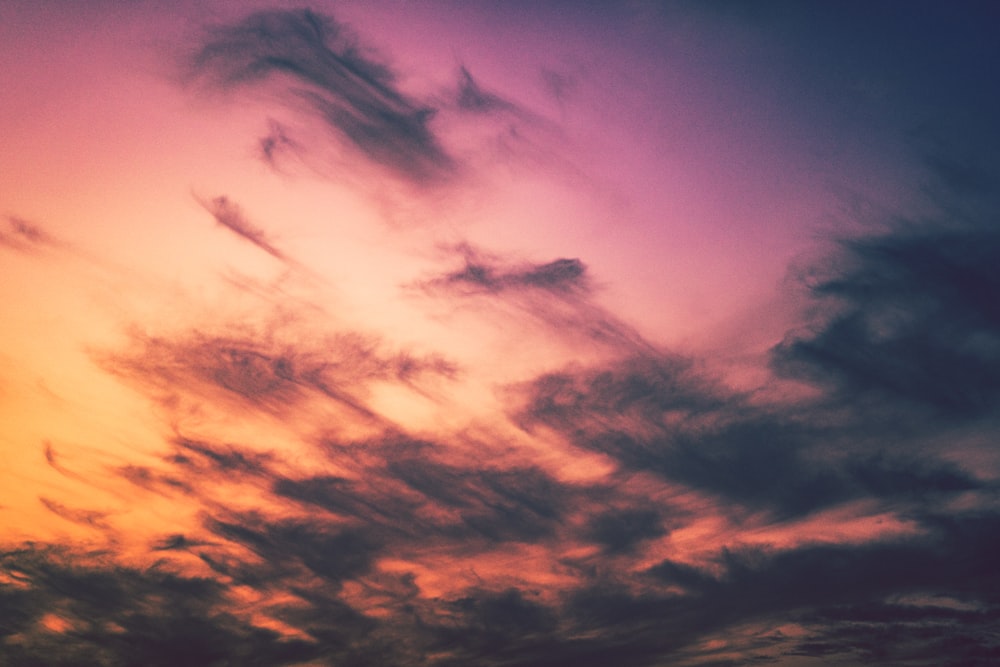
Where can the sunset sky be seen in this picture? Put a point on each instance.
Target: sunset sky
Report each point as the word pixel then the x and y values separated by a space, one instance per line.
pixel 433 334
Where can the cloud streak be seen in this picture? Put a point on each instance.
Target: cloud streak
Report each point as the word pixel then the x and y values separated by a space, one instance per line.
pixel 231 216
pixel 331 77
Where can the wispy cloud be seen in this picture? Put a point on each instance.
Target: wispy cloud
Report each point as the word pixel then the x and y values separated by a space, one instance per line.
pixel 485 274
pixel 329 75
pixel 231 216
pixel 560 295
pixel 472 98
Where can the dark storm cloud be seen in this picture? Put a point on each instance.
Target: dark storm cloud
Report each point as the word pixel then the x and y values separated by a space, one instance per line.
pixel 231 216
pixel 332 78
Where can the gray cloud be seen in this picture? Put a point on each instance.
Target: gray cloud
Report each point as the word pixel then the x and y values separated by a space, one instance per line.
pixel 472 98
pixel 252 368
pixel 915 319
pixel 482 274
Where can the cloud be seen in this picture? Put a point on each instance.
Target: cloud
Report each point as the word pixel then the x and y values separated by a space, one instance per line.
pixel 231 216
pixel 560 295
pixel 314 546
pixel 444 548
pixel 913 319
pixel 332 553
pixel 91 518
pixel 276 142
pixel 331 77
pixel 472 98
pixel 25 236
pixel 412 492
pixel 272 371
pixel 483 274
pixel 659 415
pixel 622 531
pixel 71 608
pixel 852 585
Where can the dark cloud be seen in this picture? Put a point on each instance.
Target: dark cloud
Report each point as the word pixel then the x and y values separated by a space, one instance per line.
pixel 407 497
pixel 332 553
pixel 410 493
pixel 222 458
pixel 332 78
pixel 848 587
pixel 915 318
pixel 72 608
pixel 622 531
pixel 658 415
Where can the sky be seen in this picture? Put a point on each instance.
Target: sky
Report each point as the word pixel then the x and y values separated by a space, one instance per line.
pixel 504 334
